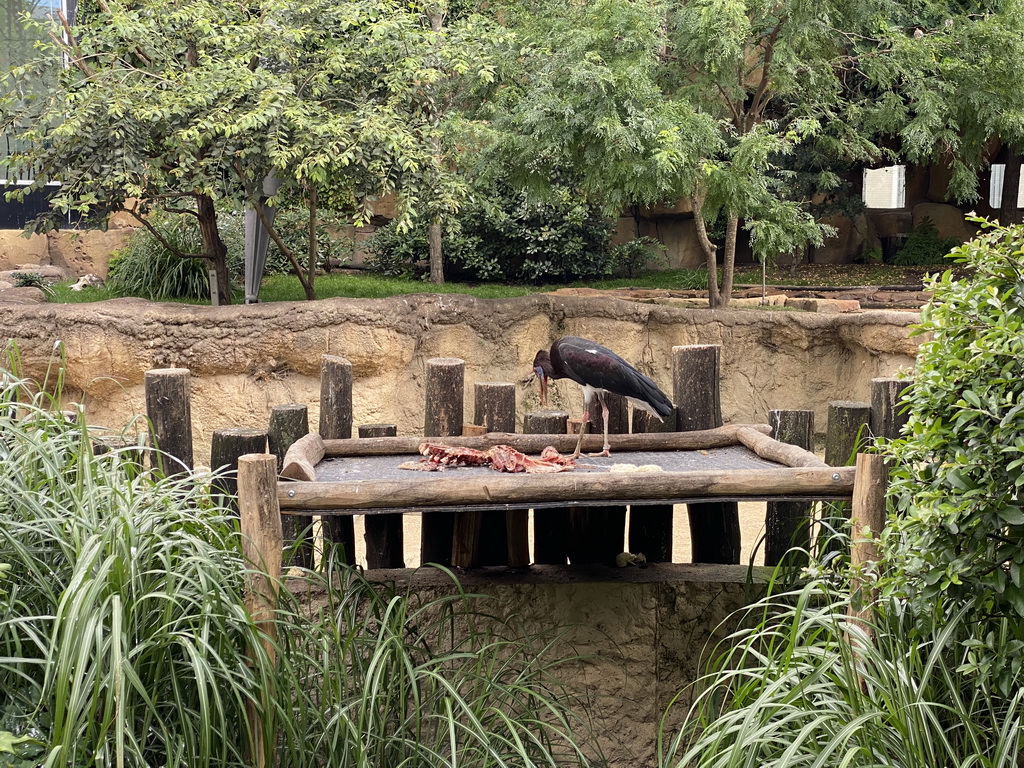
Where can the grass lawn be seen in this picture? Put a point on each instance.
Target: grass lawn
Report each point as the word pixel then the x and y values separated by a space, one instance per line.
pixel 367 286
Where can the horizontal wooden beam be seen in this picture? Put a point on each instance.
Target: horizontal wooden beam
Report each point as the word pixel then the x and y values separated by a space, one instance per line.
pixel 446 489
pixel 770 449
pixel 664 441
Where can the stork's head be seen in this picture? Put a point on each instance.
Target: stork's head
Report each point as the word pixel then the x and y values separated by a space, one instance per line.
pixel 542 371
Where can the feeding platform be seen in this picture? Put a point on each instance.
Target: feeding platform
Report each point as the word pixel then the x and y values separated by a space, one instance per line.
pixel 731 463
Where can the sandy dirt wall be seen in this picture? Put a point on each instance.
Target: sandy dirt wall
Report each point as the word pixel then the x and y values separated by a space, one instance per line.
pixel 246 359
pixel 640 637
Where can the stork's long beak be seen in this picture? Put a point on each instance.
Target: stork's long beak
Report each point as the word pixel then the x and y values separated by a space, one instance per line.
pixel 543 379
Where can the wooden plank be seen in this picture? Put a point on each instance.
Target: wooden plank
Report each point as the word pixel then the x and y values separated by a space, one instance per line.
pixel 519 489
pixel 697 440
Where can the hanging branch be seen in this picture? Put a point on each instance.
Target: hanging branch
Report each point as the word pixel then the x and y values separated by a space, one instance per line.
pixel 161 239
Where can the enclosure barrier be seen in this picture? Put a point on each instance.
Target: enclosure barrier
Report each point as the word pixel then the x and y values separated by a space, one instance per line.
pixel 576 531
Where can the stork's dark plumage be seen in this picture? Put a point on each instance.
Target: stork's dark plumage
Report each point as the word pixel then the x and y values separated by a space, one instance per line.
pixel 598 370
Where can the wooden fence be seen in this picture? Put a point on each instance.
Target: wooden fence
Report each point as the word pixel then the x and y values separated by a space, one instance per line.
pixel 575 534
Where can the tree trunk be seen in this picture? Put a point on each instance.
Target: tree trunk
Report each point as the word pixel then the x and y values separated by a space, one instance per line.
pixel 709 248
pixel 1009 213
pixel 729 261
pixel 214 250
pixel 311 275
pixel 436 256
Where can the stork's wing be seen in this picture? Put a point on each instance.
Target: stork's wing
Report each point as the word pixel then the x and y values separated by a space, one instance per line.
pixel 587 362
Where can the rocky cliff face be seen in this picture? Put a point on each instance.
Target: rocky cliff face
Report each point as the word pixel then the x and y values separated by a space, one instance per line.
pixel 244 360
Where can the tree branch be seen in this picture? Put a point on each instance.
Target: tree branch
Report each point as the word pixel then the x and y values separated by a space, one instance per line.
pixel 71 44
pixel 161 239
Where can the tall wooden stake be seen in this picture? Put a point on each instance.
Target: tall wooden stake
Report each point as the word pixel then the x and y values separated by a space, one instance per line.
pixel 336 423
pixel 867 518
pixel 481 538
pixel 597 534
pixel 788 523
pixel 550 524
pixel 887 414
pixel 169 409
pixel 443 417
pixel 650 525
pixel 226 447
pixel 714 527
pixel 260 520
pixel 385 536
pixel 287 424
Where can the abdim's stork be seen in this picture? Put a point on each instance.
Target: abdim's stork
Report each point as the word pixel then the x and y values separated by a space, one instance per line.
pixel 598 370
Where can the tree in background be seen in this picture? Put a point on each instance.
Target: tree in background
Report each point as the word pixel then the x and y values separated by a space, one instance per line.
pixel 704 100
pixel 189 107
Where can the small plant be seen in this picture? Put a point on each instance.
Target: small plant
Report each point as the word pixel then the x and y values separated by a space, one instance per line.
pixel 924 247
pixel 147 269
pixel 28 280
pixel 806 683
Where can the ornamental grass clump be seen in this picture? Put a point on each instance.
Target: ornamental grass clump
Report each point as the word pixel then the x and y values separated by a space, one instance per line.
pixel 125 638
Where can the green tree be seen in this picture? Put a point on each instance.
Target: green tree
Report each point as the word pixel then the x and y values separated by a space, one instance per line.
pixel 706 100
pixel 190 106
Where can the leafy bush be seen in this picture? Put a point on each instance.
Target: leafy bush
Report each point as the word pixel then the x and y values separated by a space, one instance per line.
pixel 292 224
pixel 924 247
pixel 28 280
pixel 147 269
pixel 959 469
pixel 506 236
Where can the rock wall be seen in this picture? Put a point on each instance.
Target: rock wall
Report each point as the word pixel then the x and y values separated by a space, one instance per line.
pixel 246 359
pixel 641 637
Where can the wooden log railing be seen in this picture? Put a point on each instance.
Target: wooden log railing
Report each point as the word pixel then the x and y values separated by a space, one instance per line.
pixel 850 424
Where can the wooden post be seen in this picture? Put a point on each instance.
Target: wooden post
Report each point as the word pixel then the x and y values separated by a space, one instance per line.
pixel 887 416
pixel 550 525
pixel 846 431
pixel 443 417
pixel 169 409
pixel 867 520
pixel 336 423
pixel 384 534
pixel 845 434
pixel 650 525
pixel 482 538
pixel 788 523
pixel 714 528
pixel 260 520
pixel 287 424
pixel 598 534
pixel 226 447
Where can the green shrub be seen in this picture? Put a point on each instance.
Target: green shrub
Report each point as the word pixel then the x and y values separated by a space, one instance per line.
pixel 924 247
pixel 502 235
pixel 147 269
pixel 958 537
